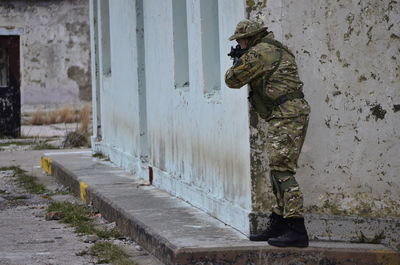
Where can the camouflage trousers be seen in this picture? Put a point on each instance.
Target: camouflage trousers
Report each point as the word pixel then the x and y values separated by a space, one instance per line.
pixel 285 138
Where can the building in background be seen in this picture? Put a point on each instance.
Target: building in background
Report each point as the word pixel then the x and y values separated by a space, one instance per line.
pixel 162 110
pixel 46 45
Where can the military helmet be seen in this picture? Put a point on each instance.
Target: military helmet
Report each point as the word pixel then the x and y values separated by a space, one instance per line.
pixel 247 28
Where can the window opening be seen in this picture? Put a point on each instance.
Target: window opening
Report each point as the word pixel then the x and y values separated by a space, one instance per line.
pixel 180 39
pixel 105 37
pixel 210 45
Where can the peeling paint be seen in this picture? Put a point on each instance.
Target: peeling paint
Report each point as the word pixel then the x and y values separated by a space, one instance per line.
pixel 394 36
pixel 82 78
pixel 329 42
pixel 350 29
pixel 362 78
pixel 338 56
pixel 52 31
pixel 322 58
pixel 378 112
pixel 288 36
pixel 369 35
pixel 349 63
pixel 396 107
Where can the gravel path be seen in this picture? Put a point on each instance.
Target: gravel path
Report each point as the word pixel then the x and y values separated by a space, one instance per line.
pixel 26 238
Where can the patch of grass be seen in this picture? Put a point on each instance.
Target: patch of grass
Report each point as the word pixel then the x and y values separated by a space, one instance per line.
pixel 30 184
pixel 58 192
pixel 15 143
pixel 73 214
pixel 13 168
pixel 25 180
pixel 17 198
pixel 75 139
pixel 377 239
pixel 110 253
pixel 99 155
pixel 27 137
pixel 53 193
pixel 108 233
pixel 43 145
pixel 80 217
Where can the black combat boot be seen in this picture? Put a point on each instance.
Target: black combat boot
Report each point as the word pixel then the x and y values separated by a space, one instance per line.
pixel 276 227
pixel 295 235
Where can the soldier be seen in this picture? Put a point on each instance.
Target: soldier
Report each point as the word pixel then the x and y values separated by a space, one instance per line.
pixel 275 93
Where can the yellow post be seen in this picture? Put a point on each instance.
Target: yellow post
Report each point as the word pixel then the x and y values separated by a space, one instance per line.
pixel 83 187
pixel 46 164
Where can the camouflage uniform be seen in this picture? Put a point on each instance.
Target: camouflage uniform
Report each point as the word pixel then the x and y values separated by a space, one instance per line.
pixel 271 71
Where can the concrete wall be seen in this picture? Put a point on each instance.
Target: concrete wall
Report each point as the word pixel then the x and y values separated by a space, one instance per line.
pixel 198 135
pixel 348 56
pixel 55 49
pixel 196 131
pixel 163 111
pixel 118 82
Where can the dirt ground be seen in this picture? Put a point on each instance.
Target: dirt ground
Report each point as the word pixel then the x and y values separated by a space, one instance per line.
pixel 26 236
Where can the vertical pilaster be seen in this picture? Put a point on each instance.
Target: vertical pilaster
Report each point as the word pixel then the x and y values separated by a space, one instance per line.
pixel 141 73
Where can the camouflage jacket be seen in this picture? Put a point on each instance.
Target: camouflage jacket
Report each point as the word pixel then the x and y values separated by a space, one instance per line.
pixel 259 68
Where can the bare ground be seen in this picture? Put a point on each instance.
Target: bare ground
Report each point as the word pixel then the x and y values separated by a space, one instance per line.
pixel 26 237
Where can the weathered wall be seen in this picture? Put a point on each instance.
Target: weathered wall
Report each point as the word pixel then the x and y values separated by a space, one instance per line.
pixel 348 55
pixel 116 108
pixel 194 132
pixel 55 49
pixel 198 135
pixel 197 132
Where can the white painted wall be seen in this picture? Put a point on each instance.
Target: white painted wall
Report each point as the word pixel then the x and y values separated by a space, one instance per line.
pixel 198 137
pixel 118 90
pixel 198 142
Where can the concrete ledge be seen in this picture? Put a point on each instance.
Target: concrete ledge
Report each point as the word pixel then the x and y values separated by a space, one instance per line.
pixel 226 211
pixel 177 233
pixel 344 228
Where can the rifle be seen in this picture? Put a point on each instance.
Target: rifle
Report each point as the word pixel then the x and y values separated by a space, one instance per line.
pixel 236 53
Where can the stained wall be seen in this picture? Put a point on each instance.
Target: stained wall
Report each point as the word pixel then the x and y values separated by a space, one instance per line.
pixel 55 48
pixel 348 56
pixel 168 116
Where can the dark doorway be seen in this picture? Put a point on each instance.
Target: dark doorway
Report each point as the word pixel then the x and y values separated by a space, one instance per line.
pixel 10 95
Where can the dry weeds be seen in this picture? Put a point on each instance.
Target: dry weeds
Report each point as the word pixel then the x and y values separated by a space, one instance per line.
pixel 84 119
pixel 38 118
pixel 67 114
pixel 75 139
pixel 52 117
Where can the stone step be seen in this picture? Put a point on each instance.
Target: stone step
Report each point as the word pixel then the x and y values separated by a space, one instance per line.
pixel 177 233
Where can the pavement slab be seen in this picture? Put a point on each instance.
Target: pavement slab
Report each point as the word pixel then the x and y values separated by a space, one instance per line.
pixel 178 233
